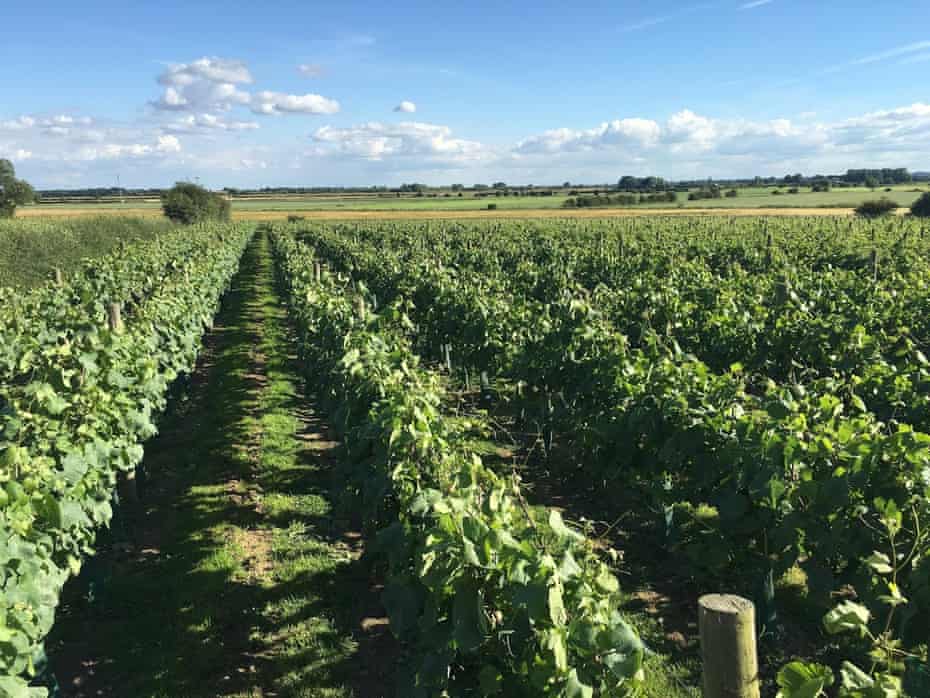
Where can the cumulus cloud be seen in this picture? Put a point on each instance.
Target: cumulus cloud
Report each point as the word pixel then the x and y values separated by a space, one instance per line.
pixel 310 70
pixel 278 103
pixel 429 143
pixel 636 133
pixel 205 84
pixel 693 142
pixel 210 85
pixel 406 107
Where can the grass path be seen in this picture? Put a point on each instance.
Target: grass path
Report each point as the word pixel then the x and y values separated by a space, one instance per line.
pixel 237 578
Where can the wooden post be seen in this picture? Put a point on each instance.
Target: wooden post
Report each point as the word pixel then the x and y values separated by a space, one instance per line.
pixel 317 272
pixel 115 319
pixel 59 281
pixel 126 482
pixel 360 301
pixel 727 625
pixel 874 265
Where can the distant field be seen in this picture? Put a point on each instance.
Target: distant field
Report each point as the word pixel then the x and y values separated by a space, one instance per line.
pixel 447 214
pixel 750 200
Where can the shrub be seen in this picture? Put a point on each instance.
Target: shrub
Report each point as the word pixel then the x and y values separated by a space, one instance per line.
pixel 776 192
pixel 188 203
pixel 876 208
pixel 732 194
pixel 921 207
pixel 294 218
pixel 492 207
pixel 794 190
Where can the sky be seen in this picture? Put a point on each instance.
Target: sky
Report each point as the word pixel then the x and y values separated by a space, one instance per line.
pixel 245 94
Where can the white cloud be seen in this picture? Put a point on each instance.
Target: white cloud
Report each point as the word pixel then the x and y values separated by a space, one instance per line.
pixel 406 107
pixel 919 58
pixel 893 53
pixel 205 84
pixel 662 19
pixel 18 155
pixel 168 144
pixel 210 85
pixel 310 70
pixel 276 103
pixel 202 123
pixel 18 124
pixel 905 50
pixel 688 144
pixel 429 143
pixel 220 70
pixel 635 133
pixel 754 4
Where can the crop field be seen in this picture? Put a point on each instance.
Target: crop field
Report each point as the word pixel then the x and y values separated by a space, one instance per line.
pixel 30 252
pixel 462 457
pixel 751 201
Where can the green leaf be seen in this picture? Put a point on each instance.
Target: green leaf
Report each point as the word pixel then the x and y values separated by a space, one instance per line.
pixel 879 562
pixel 467 615
pixel 847 617
pixel 574 688
pixel 803 680
pixel 559 528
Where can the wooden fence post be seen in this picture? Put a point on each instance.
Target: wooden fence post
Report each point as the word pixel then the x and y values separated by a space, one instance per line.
pixel 727 625
pixel 59 281
pixel 115 317
pixel 126 482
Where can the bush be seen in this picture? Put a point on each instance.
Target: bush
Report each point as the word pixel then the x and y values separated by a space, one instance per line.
pixel 876 208
pixel 189 203
pixel 921 207
pixel 794 190
pixel 732 194
pixel 492 207
pixel 294 218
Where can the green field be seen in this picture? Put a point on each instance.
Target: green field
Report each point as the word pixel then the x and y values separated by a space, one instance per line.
pixel 749 197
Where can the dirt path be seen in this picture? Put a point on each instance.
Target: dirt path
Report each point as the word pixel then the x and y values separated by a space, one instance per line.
pixel 237 577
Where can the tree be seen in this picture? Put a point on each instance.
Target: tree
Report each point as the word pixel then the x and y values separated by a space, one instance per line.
pixel 13 192
pixel 921 207
pixel 876 208
pixel 189 203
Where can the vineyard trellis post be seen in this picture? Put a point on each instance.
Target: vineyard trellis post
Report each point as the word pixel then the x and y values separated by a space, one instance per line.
pixel 126 485
pixel 727 626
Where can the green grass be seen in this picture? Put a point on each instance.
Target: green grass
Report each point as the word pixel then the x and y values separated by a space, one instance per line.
pixel 749 197
pixel 30 250
pixel 237 580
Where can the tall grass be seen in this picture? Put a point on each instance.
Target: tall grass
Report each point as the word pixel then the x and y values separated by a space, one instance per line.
pixel 31 249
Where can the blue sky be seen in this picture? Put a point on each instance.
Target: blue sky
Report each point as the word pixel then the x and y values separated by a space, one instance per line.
pixel 302 93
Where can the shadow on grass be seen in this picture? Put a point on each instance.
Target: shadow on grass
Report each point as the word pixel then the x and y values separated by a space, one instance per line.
pixel 235 578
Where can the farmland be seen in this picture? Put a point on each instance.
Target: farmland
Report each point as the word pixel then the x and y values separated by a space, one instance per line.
pixel 496 457
pixel 751 200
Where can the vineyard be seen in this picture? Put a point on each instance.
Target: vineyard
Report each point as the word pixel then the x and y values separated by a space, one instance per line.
pixel 542 426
